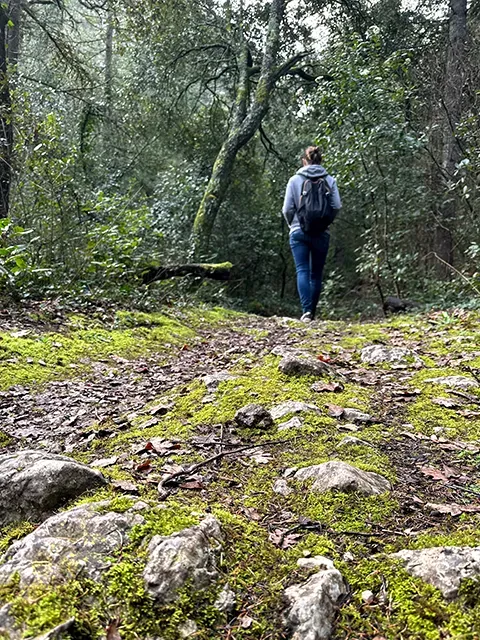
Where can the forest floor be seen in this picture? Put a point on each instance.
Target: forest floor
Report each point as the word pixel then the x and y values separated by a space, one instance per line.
pixel 125 393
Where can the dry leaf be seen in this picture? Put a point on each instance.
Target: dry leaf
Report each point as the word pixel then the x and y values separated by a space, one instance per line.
pixel 146 465
pixel 445 402
pixel 319 387
pixel 335 411
pixel 436 474
pixel 280 539
pixel 101 463
pixel 453 508
pixel 125 486
pixel 192 484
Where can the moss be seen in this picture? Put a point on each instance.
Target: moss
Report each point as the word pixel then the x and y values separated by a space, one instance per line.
pixel 38 358
pixel 5 439
pixel 13 532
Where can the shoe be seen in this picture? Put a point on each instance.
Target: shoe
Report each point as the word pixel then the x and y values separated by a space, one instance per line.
pixel 307 317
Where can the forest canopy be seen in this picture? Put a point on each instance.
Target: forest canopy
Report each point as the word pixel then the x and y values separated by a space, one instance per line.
pixel 157 133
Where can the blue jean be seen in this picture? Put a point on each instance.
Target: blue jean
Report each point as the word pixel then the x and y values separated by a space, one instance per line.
pixel 309 253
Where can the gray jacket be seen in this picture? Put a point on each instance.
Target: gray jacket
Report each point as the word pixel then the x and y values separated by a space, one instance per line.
pixel 294 190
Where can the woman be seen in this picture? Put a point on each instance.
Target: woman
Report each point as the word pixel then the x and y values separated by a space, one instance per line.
pixel 309 248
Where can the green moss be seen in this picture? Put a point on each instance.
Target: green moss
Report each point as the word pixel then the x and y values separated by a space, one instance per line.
pixel 14 532
pixel 5 439
pixel 38 358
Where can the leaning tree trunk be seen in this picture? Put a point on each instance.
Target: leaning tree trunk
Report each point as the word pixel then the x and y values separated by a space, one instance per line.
pixel 6 130
pixel 451 150
pixel 247 120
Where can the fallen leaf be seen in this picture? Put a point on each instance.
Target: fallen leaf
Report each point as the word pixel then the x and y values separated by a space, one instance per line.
pixel 319 387
pixel 125 486
pixel 146 465
pixel 282 540
pixel 101 463
pixel 335 411
pixel 246 622
pixel 251 513
pixel 453 508
pixel 192 484
pixel 436 474
pixel 112 630
pixel 445 402
pixel 324 358
pixel 21 334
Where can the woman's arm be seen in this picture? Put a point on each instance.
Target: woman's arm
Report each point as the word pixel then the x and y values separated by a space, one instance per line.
pixel 289 206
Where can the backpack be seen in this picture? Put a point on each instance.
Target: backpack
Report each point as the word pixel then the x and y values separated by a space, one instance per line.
pixel 315 212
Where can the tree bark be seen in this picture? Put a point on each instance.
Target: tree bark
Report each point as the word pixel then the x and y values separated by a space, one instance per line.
pixel 246 121
pixel 108 90
pixel 6 129
pixel 451 150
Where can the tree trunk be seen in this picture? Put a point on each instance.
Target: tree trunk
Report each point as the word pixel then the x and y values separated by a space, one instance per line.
pixel 108 90
pixel 451 150
pixel 6 130
pixel 247 119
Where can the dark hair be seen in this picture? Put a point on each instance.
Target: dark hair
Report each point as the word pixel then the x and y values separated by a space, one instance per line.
pixel 312 155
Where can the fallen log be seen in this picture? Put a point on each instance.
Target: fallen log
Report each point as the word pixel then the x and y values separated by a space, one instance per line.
pixel 214 271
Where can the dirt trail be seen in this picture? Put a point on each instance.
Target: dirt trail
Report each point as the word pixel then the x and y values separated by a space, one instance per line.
pixel 143 420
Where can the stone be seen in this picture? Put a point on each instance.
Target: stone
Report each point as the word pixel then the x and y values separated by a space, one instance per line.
pixel 311 606
pixel 9 627
pixel 293 423
pixel 186 556
pixel 351 440
pixel 60 632
pixel 281 486
pixel 315 562
pixel 379 353
pixel 292 406
pixel 294 365
pixel 253 416
pixel 354 415
pixel 442 567
pixel 81 539
pixel 187 629
pixel 368 596
pixel 343 477
pixel 34 484
pixel 456 382
pixel 226 600
pixel 213 380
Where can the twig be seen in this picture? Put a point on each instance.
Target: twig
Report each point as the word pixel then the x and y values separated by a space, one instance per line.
pixel 218 456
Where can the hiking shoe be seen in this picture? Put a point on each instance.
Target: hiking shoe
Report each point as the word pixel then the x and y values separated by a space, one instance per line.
pixel 307 317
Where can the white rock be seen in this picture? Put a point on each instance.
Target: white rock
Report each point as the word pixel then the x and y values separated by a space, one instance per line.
pixel 311 606
pixel 281 486
pixel 226 600
pixel 354 415
pixel 343 477
pixel 293 423
pixel 367 596
pixel 293 365
pixel 213 380
pixel 443 567
pixel 81 539
pixel 292 406
pixel 187 629
pixel 34 484
pixel 351 440
pixel 315 562
pixel 456 382
pixel 188 555
pixel 378 353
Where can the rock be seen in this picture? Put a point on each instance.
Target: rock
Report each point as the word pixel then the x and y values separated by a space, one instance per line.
pixel 368 596
pixel 213 380
pixel 292 406
pixel 294 365
pixel 187 629
pixel 354 415
pixel 456 382
pixel 253 416
pixel 81 539
pixel 378 353
pixel 34 484
pixel 226 600
pixel 311 606
pixel 315 562
pixel 351 440
pixel 343 477
pixel 281 486
pixel 442 567
pixel 9 628
pixel 293 423
pixel 188 555
pixel 60 632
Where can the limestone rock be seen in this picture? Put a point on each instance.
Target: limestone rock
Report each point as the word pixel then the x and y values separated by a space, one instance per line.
pixel 315 562
pixel 343 477
pixel 79 539
pixel 351 440
pixel 293 423
pixel 226 600
pixel 9 628
pixel 311 606
pixel 188 555
pixel 60 632
pixel 213 380
pixel 253 416
pixel 281 486
pixel 293 365
pixel 442 567
pixel 456 382
pixel 354 415
pixel 34 484
pixel 292 406
pixel 379 353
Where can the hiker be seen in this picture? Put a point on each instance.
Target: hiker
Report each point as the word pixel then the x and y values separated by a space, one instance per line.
pixel 311 204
